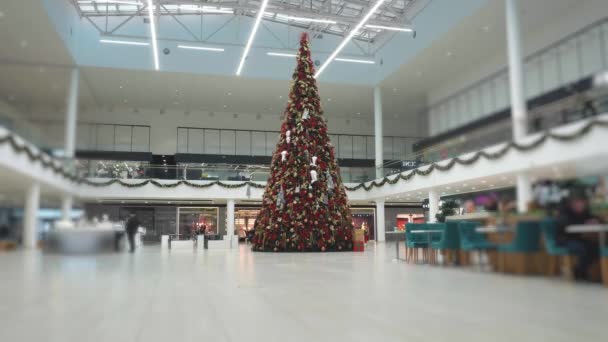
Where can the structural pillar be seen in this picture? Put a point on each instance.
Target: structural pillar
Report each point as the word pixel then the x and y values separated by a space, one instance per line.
pixel 519 115
pixel 380 229
pixel 71 117
pixel 30 216
pixel 524 191
pixel 66 207
pixel 230 218
pixel 433 205
pixel 378 135
pixel 516 72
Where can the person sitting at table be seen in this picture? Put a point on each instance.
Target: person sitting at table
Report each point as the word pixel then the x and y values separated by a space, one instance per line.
pixel 576 212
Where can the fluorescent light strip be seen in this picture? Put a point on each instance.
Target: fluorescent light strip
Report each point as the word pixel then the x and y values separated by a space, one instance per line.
pixel 200 48
pixel 118 2
pixel 349 37
pixel 390 28
pixel 206 9
pixel 278 54
pixel 123 42
pixel 256 25
pixel 312 20
pixel 362 61
pixel 153 34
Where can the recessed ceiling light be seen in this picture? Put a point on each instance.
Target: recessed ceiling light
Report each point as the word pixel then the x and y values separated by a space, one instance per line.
pixel 280 54
pixel 419 73
pixel 254 30
pixel 23 43
pixel 202 48
pixel 358 113
pixel 280 96
pixel 146 202
pixel 312 20
pixel 329 99
pixel 122 42
pixel 473 188
pixel 350 60
pixel 225 106
pixel 168 202
pixel 124 101
pixel 151 18
pixel 486 28
pixel 390 28
pixel 120 86
pixel 229 93
pixel 464 184
pixel 350 36
pixel 449 54
pixel 1 14
pixel 448 187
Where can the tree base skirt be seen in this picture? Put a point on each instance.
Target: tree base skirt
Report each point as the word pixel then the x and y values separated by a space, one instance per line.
pixel 347 248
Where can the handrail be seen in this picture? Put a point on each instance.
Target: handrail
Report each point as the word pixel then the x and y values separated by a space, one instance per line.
pixel 526 59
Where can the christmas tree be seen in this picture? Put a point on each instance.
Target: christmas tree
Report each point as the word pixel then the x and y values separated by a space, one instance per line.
pixel 304 206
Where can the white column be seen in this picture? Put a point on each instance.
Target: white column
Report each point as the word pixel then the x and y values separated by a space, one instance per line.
pixel 71 117
pixel 30 216
pixel 516 72
pixel 378 135
pixel 380 229
pixel 433 205
pixel 66 207
pixel 524 191
pixel 230 218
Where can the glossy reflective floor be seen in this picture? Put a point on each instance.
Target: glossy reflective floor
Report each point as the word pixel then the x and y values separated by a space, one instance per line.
pixel 230 296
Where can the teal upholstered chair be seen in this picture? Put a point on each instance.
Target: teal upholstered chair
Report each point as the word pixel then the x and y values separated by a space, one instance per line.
pixel 604 264
pixel 525 244
pixel 472 241
pixel 556 253
pixel 448 241
pixel 415 241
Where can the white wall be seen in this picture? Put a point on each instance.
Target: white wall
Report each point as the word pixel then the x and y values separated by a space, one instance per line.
pixel 543 74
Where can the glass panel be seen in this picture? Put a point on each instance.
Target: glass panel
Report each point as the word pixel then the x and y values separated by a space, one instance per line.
pixel 532 78
pixel 182 140
pixel 272 139
pixel 123 138
pixel 197 221
pixel 346 146
pixel 196 140
pixel 258 143
pixel 371 147
pixel 212 141
pixel 105 137
pixel 227 142
pixel 359 147
pixel 550 71
pixel 569 61
pixel 243 143
pixel 591 52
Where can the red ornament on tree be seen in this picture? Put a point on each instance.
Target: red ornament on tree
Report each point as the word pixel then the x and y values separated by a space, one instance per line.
pixel 314 217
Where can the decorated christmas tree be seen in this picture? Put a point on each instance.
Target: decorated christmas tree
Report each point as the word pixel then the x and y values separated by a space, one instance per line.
pixel 304 206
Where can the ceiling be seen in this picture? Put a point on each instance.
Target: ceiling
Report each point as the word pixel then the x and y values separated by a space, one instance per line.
pixel 30 76
pixel 28 36
pixel 473 42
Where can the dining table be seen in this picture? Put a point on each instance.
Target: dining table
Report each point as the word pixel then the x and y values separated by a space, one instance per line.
pixel 600 229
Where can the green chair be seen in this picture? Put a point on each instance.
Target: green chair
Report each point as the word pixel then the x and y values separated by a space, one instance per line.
pixel 525 244
pixel 472 241
pixel 604 265
pixel 415 241
pixel 548 228
pixel 449 240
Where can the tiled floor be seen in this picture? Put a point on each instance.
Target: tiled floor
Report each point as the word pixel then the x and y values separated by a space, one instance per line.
pixel 230 296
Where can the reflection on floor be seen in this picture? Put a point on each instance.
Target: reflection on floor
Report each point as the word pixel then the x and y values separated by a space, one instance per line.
pixel 229 296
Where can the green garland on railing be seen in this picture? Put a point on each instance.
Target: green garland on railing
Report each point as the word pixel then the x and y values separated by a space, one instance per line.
pixel 483 154
pixel 175 184
pixel 45 160
pixel 49 162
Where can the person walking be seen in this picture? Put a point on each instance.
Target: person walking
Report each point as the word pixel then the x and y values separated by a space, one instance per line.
pixel 131 229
